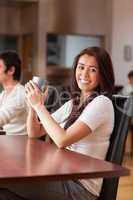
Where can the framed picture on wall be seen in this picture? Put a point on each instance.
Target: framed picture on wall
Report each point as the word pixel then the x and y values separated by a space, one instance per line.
pixel 128 53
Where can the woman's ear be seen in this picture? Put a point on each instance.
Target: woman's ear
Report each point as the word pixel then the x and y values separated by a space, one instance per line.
pixel 11 71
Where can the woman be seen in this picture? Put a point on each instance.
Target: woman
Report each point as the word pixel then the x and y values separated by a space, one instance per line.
pixel 83 124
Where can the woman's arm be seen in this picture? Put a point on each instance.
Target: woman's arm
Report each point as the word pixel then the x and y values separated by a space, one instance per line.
pixel 61 137
pixel 34 127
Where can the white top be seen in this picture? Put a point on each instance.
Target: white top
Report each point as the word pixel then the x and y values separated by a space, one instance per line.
pixel 127 90
pixel 98 115
pixel 13 111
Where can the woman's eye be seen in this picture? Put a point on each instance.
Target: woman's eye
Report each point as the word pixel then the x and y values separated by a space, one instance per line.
pixel 93 70
pixel 81 67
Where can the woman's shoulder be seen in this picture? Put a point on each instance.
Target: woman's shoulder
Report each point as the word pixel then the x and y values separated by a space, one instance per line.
pixel 102 98
pixel 102 101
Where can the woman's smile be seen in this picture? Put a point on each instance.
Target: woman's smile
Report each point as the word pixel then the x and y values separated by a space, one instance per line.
pixel 83 81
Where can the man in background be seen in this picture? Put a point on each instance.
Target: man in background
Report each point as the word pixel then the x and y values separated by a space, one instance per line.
pixel 128 89
pixel 13 107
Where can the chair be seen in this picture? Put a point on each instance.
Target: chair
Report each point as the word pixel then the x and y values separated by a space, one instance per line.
pixel 57 96
pixel 123 107
pixel 131 130
pixel 2 132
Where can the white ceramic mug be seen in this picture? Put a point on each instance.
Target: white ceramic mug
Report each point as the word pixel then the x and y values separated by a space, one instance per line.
pixel 40 82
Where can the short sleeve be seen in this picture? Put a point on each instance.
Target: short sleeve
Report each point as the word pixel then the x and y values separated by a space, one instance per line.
pixel 63 112
pixel 97 112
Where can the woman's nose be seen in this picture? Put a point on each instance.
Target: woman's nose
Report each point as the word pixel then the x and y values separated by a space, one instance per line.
pixel 85 73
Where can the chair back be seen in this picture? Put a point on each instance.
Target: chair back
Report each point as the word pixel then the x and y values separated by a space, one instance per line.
pixel 2 132
pixel 57 96
pixel 123 107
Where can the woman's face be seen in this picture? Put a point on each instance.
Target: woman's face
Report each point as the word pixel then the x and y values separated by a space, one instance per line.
pixel 87 74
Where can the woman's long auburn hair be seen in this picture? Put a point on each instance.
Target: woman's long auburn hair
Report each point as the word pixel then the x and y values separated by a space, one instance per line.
pixel 106 83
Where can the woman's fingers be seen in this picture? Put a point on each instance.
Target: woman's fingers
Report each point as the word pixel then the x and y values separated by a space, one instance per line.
pixel 33 94
pixel 31 87
pixel 45 94
pixel 34 86
pixel 27 89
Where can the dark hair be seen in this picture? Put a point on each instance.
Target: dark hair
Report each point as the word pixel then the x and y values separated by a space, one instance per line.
pixel 130 74
pixel 11 59
pixel 106 85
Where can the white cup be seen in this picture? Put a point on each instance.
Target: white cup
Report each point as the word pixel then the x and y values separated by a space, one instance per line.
pixel 40 82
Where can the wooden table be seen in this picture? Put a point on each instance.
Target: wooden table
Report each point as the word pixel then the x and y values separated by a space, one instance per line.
pixel 23 159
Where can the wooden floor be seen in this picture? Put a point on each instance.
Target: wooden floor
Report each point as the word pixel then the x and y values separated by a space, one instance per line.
pixel 125 189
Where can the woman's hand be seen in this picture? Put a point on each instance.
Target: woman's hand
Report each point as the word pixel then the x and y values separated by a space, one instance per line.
pixel 34 96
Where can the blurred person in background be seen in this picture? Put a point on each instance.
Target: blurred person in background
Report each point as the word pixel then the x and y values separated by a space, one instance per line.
pixel 13 107
pixel 128 89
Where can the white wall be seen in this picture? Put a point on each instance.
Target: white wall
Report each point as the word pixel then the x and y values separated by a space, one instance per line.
pixel 122 34
pixel 74 44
